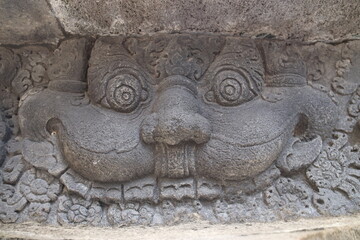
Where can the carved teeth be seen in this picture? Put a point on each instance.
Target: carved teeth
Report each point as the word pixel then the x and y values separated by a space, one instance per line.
pixel 175 161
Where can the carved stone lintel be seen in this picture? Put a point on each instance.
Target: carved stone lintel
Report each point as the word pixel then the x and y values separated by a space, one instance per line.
pixel 171 128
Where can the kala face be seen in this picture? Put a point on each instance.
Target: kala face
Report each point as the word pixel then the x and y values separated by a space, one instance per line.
pixel 177 106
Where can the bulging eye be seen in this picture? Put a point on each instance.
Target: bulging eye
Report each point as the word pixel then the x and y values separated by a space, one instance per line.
pixel 125 92
pixel 230 88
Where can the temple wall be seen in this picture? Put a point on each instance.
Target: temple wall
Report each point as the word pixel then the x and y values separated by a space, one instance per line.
pixel 129 113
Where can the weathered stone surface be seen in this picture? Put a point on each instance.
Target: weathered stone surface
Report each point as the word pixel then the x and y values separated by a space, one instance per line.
pixel 169 128
pixel 47 21
pixel 302 20
pixel 29 21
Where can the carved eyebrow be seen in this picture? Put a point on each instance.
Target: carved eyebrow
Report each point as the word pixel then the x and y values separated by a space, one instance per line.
pixel 283 75
pixel 254 78
pixel 237 55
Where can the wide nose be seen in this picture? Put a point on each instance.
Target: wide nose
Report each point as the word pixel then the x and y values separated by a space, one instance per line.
pixel 176 116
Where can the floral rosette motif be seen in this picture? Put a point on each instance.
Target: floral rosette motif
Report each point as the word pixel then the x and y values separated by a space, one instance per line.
pixel 40 189
pixel 130 213
pixel 337 167
pixel 38 186
pixel 75 210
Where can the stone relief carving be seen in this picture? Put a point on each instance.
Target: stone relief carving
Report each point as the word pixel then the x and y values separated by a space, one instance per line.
pixel 178 127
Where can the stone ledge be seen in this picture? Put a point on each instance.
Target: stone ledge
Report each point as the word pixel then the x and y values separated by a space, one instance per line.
pixel 46 21
pixel 322 228
pixel 28 22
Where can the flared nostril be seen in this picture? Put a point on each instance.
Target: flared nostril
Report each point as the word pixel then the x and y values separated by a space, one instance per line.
pixel 148 128
pixel 175 128
pixel 188 128
pixel 201 130
pixel 176 116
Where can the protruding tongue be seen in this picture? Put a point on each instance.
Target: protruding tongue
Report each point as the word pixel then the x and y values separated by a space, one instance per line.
pixel 175 161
